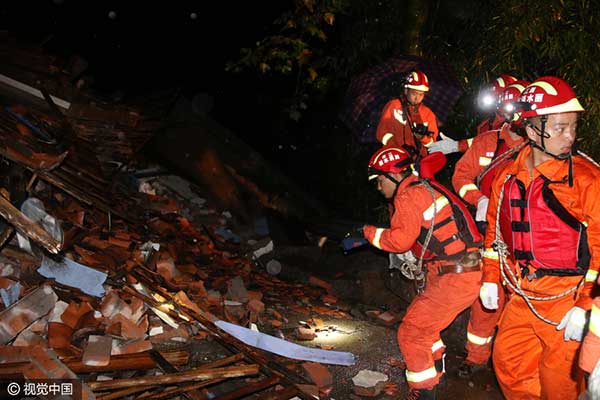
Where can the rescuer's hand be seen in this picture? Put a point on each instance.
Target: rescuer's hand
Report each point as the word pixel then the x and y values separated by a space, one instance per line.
pixel 489 295
pixel 446 145
pixel 594 383
pixel 482 205
pixel 573 322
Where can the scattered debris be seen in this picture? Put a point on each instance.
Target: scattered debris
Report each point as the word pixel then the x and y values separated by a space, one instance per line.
pixel 369 383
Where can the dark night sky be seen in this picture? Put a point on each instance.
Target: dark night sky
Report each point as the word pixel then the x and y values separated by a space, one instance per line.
pixel 145 44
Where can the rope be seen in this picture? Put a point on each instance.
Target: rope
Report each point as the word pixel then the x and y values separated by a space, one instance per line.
pixel 590 159
pixel 510 279
pixel 410 269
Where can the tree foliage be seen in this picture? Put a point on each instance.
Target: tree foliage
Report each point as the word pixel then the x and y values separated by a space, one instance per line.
pixel 532 39
pixel 321 44
pixel 298 48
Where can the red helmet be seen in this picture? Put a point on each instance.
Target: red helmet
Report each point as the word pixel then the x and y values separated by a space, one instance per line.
pixel 501 83
pixel 417 80
pixel 490 95
pixel 508 103
pixel 388 160
pixel 549 95
pixel 512 92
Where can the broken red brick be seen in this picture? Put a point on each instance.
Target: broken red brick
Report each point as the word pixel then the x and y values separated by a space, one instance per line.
pixel 305 333
pixel 329 299
pixel 256 306
pixel 320 282
pixel 254 295
pixel 319 374
pixel 389 318
pixel 74 312
pixel 276 324
pixel 59 335
pixel 97 351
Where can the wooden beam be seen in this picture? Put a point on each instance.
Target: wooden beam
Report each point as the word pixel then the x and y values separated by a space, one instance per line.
pixel 27 227
pixel 249 389
pixel 197 374
pixel 127 361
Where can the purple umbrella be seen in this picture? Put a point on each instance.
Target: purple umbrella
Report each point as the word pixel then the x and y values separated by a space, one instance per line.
pixel 370 91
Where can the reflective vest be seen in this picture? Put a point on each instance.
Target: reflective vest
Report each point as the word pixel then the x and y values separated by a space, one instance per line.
pixel 445 232
pixel 485 177
pixel 532 219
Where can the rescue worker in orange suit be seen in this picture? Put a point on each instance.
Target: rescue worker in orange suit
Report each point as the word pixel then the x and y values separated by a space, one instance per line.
pixel 589 357
pixel 406 121
pixel 488 99
pixel 472 180
pixel 542 243
pixel 433 224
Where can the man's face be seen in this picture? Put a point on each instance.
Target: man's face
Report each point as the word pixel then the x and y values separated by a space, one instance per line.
pixel 562 129
pixel 385 186
pixel 414 97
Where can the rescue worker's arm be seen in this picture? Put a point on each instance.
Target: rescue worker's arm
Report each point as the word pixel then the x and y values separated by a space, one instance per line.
pixel 404 228
pixel 591 210
pixel 391 122
pixel 466 170
pixel 491 266
pixel 464 144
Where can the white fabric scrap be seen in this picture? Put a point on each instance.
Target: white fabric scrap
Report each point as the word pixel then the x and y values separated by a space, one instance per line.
pixel 285 348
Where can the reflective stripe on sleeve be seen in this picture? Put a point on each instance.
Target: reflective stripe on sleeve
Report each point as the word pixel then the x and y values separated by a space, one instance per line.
pixel 386 138
pixel 469 186
pixel 591 276
pixel 478 340
pixel 439 203
pixel 595 320
pixel 490 253
pixel 437 345
pixel 469 142
pixel 377 237
pixel 484 161
pixel 421 376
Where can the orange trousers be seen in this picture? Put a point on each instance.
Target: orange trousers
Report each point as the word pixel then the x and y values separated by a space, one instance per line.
pixel 531 358
pixel 481 328
pixel 445 296
pixel 590 349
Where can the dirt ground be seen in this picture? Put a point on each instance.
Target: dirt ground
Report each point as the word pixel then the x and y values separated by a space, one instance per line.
pixel 362 283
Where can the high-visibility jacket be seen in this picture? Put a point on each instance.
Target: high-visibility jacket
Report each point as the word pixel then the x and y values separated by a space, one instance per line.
pixel 413 214
pixel 540 232
pixel 579 200
pixel 490 124
pixel 393 127
pixel 477 163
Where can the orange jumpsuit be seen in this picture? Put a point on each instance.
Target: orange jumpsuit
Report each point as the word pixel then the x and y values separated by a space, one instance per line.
pixel 531 358
pixel 482 322
pixel 444 297
pixel 590 350
pixel 393 128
